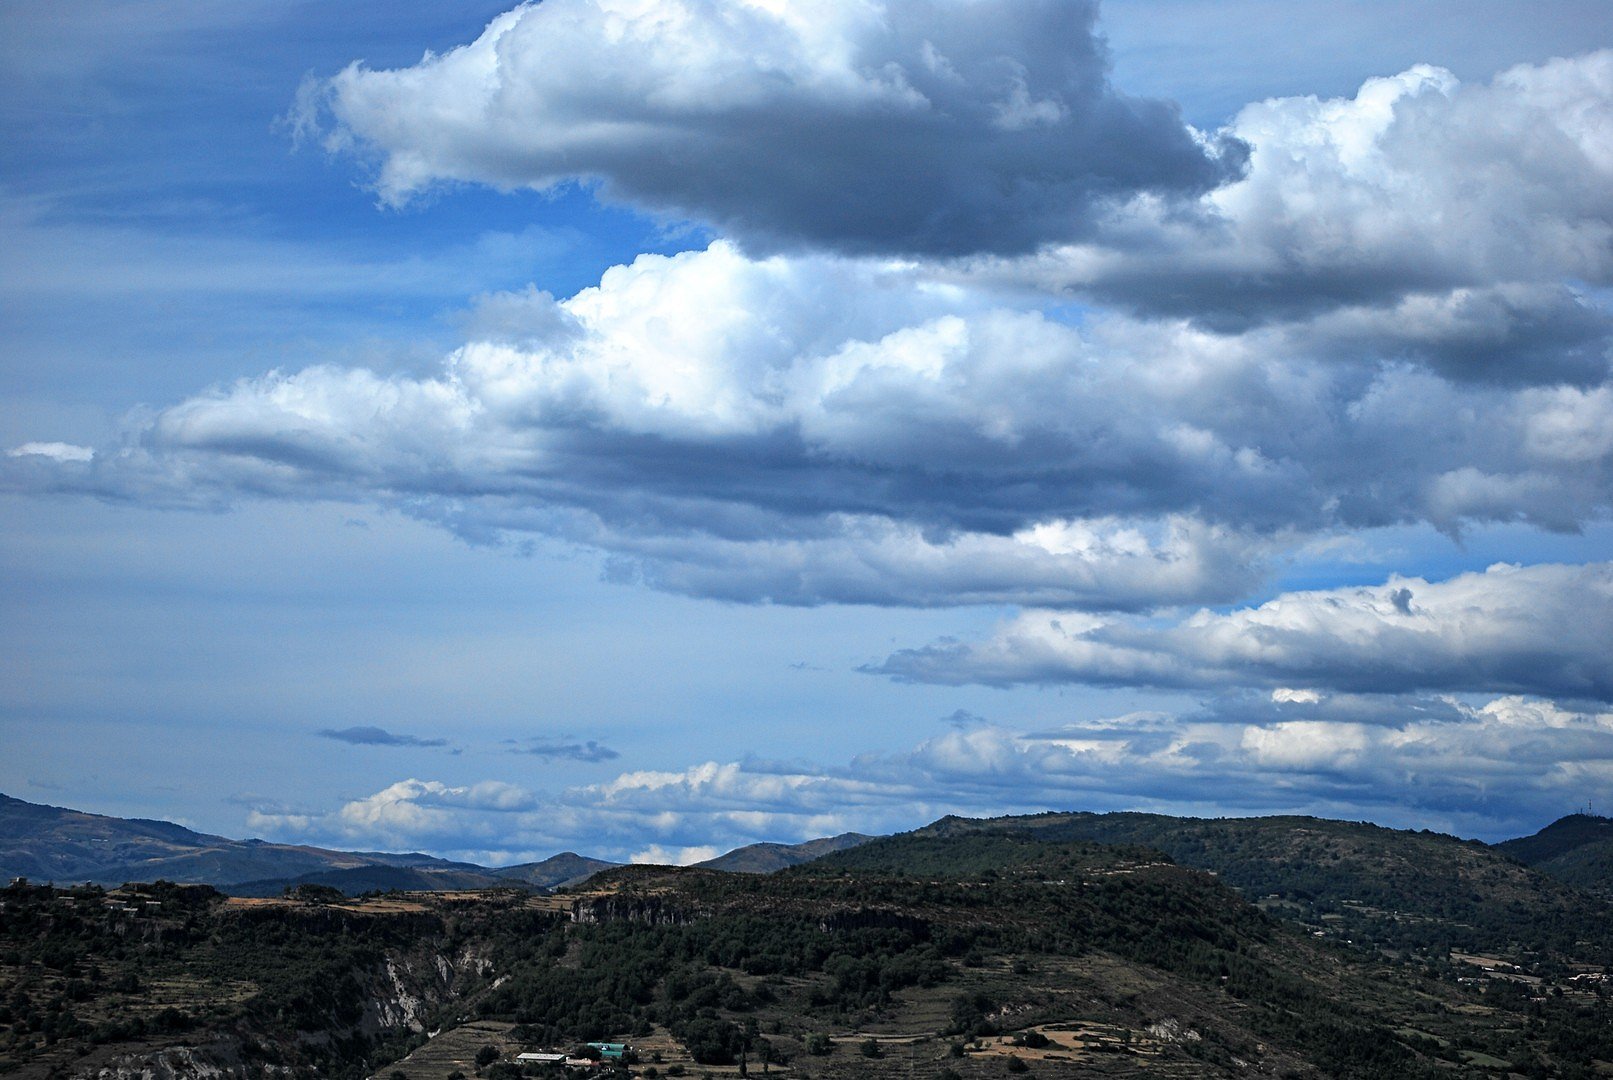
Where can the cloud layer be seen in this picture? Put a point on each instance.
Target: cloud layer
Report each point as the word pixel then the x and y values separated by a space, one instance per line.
pixel 1045 348
pixel 1419 186
pixel 374 736
pixel 913 126
pixel 590 751
pixel 1539 629
pixel 1496 770
pixel 812 429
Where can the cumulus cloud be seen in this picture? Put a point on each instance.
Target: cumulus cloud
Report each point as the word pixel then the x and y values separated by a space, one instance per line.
pixel 1539 629
pixel 1494 769
pixel 1417 186
pixel 409 813
pixel 657 855
pixel 916 126
pixel 374 736
pixel 1395 318
pixel 812 429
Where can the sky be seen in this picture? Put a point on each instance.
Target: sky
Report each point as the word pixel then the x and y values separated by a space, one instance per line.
pixel 646 428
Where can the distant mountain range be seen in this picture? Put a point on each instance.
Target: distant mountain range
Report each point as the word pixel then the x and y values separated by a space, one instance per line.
pixel 50 843
pixel 1290 859
pixel 766 858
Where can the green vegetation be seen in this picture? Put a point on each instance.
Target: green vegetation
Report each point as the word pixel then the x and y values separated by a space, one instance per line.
pixel 966 949
pixel 1420 892
pixel 1577 850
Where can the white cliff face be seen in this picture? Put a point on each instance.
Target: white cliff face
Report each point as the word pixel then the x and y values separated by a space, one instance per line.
pixel 397 1007
pixel 1171 1029
pixel 407 989
pixel 402 995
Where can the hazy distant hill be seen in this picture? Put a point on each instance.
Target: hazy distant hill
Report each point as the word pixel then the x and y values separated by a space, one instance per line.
pixel 49 843
pixel 1400 888
pixel 1577 849
pixel 766 858
pixel 557 871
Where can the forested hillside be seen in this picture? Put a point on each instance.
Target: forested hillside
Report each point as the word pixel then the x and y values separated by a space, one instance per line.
pixel 959 951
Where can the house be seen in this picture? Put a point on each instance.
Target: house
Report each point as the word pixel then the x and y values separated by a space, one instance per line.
pixel 610 1051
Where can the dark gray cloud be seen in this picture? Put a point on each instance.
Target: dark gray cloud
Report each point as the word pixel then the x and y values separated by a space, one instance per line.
pixel 589 751
pixel 374 736
pixel 913 126
pixel 963 719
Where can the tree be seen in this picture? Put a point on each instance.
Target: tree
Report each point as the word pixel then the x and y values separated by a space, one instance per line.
pixel 310 893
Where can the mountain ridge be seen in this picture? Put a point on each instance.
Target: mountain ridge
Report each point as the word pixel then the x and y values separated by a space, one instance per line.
pixel 1577 849
pixel 766 858
pixel 1290 856
pixel 61 844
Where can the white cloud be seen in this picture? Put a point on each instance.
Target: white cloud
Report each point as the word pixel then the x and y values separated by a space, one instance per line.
pixel 1389 321
pixel 1540 629
pixel 908 125
pixel 813 429
pixel 1496 769
pixel 657 855
pixel 1418 184
pixel 55 451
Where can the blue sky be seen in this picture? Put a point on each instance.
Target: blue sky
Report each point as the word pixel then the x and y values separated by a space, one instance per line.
pixel 646 428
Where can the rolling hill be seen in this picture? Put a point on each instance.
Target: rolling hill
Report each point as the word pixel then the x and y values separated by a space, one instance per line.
pixel 1577 849
pixel 50 843
pixel 962 951
pixel 1402 889
pixel 767 858
pixel 555 872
